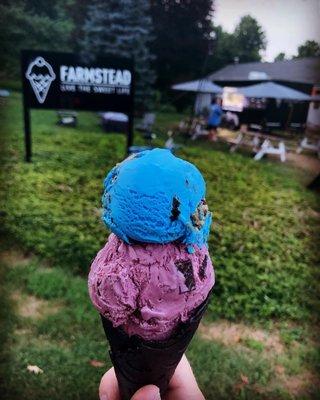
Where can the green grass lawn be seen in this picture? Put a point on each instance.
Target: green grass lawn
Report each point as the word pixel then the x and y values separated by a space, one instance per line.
pixel 264 245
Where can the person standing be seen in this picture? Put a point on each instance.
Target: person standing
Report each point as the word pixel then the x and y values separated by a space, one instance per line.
pixel 214 119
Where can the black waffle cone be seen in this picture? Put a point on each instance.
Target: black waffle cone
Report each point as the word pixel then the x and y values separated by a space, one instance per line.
pixel 138 362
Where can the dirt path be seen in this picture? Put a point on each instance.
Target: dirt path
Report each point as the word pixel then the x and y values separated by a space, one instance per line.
pixel 236 333
pixel 270 346
pixel 307 161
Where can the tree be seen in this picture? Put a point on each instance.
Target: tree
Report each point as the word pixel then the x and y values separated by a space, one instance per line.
pixel 78 13
pixel 182 38
pixel 280 57
pixel 123 28
pixel 224 49
pixel 309 49
pixel 250 39
pixel 243 45
pixel 25 26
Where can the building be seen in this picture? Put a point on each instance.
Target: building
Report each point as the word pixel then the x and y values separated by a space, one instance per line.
pixel 301 74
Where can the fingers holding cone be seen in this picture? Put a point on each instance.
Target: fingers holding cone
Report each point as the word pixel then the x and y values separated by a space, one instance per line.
pixel 109 389
pixel 183 386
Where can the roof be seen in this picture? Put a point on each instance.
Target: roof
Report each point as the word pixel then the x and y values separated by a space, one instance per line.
pixel 303 70
pixel 200 86
pixel 274 91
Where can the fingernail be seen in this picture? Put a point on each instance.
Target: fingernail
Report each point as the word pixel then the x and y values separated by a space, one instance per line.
pixel 103 397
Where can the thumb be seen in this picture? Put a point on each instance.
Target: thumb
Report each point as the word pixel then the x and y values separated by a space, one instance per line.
pixel 149 392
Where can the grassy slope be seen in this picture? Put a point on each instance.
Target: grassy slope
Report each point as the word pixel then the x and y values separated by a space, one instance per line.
pixel 263 245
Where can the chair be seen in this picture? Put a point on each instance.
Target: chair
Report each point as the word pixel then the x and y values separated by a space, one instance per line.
pixel 147 122
pixel 272 126
pixel 170 144
pixel 67 118
pixel 297 127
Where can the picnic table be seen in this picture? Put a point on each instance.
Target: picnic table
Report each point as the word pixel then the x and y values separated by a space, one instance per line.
pixel 192 127
pixel 311 143
pixel 261 144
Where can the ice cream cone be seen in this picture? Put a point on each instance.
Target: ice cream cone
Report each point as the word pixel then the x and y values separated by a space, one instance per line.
pixel 148 280
pixel 138 362
pixel 40 75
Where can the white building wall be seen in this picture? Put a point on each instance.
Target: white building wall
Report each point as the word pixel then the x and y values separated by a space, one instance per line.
pixel 313 119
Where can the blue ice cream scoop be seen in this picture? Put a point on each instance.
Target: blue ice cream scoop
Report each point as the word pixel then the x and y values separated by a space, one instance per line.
pixel 155 197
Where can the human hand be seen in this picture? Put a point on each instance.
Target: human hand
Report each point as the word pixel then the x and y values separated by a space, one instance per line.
pixel 183 386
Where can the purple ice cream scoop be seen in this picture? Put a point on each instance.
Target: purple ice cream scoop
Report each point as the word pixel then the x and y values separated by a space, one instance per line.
pixel 147 289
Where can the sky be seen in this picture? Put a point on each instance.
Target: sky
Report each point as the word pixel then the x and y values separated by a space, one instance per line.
pixel 287 23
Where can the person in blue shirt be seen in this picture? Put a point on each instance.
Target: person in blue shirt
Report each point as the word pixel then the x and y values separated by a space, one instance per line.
pixel 214 119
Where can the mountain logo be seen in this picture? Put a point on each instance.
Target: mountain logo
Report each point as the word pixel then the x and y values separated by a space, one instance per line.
pixel 40 75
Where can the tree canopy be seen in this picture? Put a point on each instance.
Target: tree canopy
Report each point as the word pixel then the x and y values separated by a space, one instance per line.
pixel 243 45
pixel 27 24
pixel 223 51
pixel 309 49
pixel 250 39
pixel 182 38
pixel 122 28
pixel 280 57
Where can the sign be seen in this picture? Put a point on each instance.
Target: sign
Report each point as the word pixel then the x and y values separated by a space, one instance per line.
pixel 257 75
pixel 232 100
pixel 67 81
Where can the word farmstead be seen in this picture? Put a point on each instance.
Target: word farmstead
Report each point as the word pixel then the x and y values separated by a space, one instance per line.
pixel 99 80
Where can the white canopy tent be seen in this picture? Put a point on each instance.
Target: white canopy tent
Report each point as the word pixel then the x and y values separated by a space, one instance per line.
pixel 204 89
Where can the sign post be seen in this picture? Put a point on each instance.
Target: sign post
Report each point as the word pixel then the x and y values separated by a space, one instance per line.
pixel 130 133
pixel 64 81
pixel 27 133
